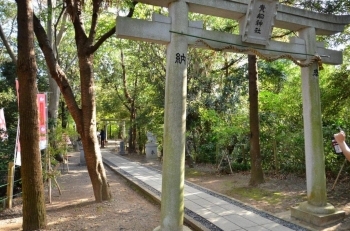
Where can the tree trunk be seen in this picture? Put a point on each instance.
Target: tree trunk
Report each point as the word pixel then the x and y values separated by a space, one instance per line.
pixel 34 213
pixel 88 132
pixel 64 115
pixel 54 95
pixel 84 117
pixel 256 175
pixel 132 131
pixel 53 101
pixel 130 106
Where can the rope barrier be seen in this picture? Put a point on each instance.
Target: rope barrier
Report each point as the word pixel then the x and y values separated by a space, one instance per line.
pixel 232 46
pixel 5 198
pixel 17 194
pixel 3 185
pixel 7 183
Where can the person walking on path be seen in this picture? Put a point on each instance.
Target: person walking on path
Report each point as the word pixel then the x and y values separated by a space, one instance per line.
pixel 103 138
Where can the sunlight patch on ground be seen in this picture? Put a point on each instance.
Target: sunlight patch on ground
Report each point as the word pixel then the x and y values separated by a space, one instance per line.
pixel 60 204
pixel 11 224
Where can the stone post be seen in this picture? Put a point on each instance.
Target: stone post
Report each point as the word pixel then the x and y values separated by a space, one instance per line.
pixel 123 130
pixel 172 206
pixel 316 209
pixel 10 183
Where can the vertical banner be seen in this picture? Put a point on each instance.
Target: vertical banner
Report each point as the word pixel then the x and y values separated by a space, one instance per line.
pixel 17 158
pixel 18 148
pixel 3 133
pixel 41 101
pixel 17 89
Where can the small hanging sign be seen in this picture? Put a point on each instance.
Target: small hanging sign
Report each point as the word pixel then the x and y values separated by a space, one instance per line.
pixel 259 21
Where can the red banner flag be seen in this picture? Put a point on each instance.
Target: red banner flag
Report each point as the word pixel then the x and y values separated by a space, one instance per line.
pixel 41 101
pixel 17 146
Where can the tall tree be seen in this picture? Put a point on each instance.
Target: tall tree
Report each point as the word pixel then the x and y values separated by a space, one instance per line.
pixel 54 90
pixel 34 213
pixel 256 175
pixel 130 105
pixel 84 116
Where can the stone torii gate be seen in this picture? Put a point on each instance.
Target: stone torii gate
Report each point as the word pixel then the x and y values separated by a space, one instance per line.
pixel 177 32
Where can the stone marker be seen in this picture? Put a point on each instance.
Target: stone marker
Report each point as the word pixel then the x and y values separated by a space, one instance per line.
pixel 82 154
pixel 151 146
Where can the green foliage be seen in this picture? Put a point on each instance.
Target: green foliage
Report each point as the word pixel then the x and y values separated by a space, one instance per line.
pixel 58 148
pixel 144 84
pixel 321 6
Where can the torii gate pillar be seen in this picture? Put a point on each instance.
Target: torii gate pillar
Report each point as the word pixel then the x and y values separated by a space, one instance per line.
pixel 172 208
pixel 315 210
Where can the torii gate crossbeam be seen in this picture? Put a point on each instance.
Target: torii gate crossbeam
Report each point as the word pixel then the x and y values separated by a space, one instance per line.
pixel 158 31
pixel 289 18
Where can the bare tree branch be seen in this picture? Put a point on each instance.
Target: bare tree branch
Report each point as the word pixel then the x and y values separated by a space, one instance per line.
pixel 121 98
pixel 126 93
pixel 102 39
pixel 59 36
pixel 75 13
pixel 8 47
pixel 95 11
pixel 57 73
pixel 111 32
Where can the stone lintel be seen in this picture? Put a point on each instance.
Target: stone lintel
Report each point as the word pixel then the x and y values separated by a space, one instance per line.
pixel 328 56
pixel 288 17
pixel 317 219
pixel 217 39
pixel 159 32
pixel 302 41
pixel 142 30
pixel 160 18
pixel 196 24
pixel 164 19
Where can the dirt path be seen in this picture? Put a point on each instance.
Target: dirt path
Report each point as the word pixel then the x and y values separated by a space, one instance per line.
pixel 75 208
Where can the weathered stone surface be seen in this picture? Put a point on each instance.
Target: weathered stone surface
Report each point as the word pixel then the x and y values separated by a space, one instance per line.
pixel 317 219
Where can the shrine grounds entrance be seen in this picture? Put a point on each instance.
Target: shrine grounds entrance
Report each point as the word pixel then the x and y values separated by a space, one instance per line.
pixel 257 19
